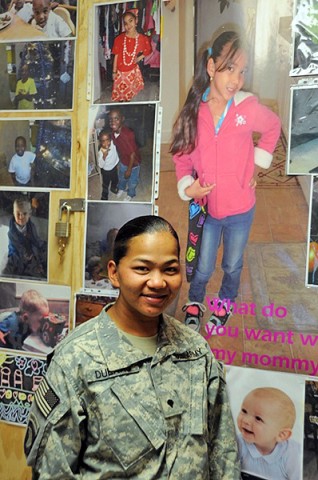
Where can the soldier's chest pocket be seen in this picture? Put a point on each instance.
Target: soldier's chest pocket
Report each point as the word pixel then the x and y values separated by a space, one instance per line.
pixel 130 427
pixel 192 389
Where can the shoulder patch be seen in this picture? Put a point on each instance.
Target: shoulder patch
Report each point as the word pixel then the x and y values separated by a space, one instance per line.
pixel 45 398
pixel 31 433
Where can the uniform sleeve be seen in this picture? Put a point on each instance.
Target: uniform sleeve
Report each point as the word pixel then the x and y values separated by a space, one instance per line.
pixel 55 431
pixel 32 88
pixel 269 126
pixel 223 451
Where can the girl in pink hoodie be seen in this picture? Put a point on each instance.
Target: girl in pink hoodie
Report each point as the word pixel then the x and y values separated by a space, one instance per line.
pixel 215 157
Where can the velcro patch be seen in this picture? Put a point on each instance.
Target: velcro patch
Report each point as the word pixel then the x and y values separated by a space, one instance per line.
pixel 46 399
pixel 31 433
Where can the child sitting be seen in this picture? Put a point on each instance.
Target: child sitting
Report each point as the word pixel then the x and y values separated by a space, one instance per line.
pixel 265 421
pixel 108 160
pixel 27 254
pixel 18 325
pixel 49 22
pixel 21 163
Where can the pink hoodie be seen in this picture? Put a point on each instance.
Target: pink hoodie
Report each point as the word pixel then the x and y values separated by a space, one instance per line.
pixel 227 158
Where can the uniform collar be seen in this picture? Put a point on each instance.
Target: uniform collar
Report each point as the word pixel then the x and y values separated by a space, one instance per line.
pixel 118 353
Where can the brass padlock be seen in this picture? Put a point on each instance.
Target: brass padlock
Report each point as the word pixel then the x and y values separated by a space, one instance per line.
pixel 63 229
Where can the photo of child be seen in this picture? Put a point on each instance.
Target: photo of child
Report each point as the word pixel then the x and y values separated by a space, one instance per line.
pixel 269 422
pixel 130 48
pixel 26 252
pixel 266 421
pixel 52 24
pixel 33 319
pixel 42 156
pixel 108 160
pixel 37 75
pixel 38 20
pixel 25 91
pixel 21 164
pixel 130 133
pixel 130 159
pixel 19 324
pixel 127 52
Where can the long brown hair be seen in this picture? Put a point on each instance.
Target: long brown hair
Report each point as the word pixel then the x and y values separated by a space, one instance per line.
pixel 184 133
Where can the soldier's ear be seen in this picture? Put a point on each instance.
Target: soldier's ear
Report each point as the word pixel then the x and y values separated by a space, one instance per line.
pixel 113 274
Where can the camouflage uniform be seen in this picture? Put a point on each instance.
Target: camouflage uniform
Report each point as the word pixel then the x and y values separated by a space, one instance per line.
pixel 106 410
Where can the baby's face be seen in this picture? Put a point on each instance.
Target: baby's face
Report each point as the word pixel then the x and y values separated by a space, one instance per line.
pixel 41 10
pixel 259 422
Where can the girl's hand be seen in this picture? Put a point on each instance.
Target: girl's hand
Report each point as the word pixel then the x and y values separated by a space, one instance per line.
pixel 197 191
pixel 253 183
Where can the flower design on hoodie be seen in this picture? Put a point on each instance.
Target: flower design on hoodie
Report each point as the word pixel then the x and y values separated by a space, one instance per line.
pixel 240 120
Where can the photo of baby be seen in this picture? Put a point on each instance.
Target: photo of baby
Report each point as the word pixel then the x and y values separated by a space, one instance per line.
pixel 269 422
pixel 266 421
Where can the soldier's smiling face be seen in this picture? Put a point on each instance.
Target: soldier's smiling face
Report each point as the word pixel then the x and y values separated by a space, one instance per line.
pixel 148 276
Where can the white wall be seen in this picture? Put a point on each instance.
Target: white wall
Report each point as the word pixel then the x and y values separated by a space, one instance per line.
pixel 169 70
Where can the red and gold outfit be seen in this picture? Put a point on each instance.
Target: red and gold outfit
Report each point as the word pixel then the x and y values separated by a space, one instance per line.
pixel 129 81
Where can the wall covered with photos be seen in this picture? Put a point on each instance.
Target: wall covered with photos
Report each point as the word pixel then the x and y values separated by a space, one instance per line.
pixel 62 100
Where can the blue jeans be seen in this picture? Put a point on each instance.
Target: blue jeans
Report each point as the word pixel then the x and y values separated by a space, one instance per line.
pixel 129 183
pixel 235 230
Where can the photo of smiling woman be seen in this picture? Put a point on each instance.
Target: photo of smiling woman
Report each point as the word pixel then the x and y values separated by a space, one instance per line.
pixel 117 406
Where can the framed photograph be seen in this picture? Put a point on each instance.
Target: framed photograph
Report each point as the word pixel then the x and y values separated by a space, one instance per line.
pixel 89 306
pixel 33 317
pixel 126 62
pixel 121 152
pixel 275 400
pixel 37 20
pixel 35 153
pixel 311 428
pixel 24 235
pixel 305 38
pixel 37 75
pixel 303 131
pixel 312 243
pixel 103 222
